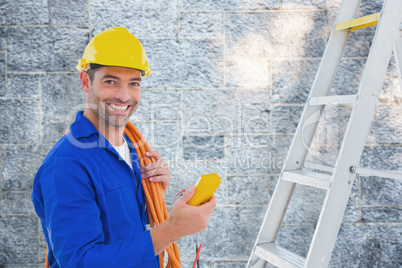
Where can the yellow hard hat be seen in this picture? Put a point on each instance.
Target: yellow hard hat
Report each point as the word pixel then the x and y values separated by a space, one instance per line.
pixel 115 47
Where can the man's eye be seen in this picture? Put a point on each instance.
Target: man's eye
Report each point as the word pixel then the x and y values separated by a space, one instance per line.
pixel 135 84
pixel 110 82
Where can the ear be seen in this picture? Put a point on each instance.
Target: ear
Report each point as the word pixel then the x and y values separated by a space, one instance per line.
pixel 85 81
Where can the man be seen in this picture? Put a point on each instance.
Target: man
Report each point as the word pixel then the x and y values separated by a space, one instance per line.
pixel 88 192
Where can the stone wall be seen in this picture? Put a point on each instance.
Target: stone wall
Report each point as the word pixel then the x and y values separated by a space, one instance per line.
pixel 228 87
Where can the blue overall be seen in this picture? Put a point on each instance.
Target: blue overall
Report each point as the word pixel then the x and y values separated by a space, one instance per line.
pixel 91 203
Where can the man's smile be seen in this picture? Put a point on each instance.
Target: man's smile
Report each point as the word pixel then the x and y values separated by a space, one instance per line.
pixel 119 107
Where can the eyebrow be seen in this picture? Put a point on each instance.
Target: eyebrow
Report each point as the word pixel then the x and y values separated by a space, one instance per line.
pixel 117 78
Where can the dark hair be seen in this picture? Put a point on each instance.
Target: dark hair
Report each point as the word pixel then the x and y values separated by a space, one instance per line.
pixel 93 67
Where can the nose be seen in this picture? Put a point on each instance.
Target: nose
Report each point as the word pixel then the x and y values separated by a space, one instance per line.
pixel 122 94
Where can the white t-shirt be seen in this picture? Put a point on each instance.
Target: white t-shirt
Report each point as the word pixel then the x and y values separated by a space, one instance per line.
pixel 124 152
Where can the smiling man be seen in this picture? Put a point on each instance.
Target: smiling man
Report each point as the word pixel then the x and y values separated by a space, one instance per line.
pixel 88 193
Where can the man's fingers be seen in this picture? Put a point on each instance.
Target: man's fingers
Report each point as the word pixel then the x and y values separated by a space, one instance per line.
pixel 159 178
pixel 187 194
pixel 210 205
pixel 160 163
pixel 154 173
pixel 154 154
pixel 151 166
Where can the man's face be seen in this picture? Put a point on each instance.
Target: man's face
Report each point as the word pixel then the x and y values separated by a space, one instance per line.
pixel 114 94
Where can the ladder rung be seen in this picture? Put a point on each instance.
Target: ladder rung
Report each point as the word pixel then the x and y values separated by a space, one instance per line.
pixel 340 99
pixel 312 179
pixel 359 23
pixel 318 166
pixel 278 255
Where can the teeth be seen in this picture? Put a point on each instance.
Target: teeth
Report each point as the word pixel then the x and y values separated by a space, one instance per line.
pixel 119 108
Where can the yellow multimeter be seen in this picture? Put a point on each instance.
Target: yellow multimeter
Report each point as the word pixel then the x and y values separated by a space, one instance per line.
pixel 204 189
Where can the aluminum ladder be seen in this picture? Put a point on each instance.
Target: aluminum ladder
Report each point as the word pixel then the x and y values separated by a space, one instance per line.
pixel 338 183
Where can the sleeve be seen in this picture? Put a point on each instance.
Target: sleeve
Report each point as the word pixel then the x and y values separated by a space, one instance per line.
pixel 74 227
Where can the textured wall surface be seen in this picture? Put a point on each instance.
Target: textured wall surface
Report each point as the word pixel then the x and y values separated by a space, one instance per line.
pixel 230 79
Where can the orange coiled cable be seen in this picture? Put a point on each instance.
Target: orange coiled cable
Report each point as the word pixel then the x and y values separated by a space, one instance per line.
pixel 155 200
pixel 154 196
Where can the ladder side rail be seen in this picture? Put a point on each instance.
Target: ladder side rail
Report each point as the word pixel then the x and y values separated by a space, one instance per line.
pixel 353 144
pixel 321 86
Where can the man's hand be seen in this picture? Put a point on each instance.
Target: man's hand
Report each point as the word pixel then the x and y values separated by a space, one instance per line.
pixel 189 219
pixel 157 171
pixel 184 220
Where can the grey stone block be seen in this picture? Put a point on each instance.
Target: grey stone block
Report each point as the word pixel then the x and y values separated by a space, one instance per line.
pixel 229 112
pixel 359 44
pixel 143 20
pixel 2 74
pixel 17 202
pixel 367 246
pixel 296 238
pixel 23 86
pixel 286 118
pixel 200 148
pixel 20 164
pixel 185 63
pixel 386 127
pixel 249 190
pixel 303 4
pixel 229 5
pixel 24 12
pixel 230 235
pixel 348 76
pixel 164 137
pixel 327 155
pixel 189 264
pixel 71 12
pixel 381 191
pixel 248 74
pixel 392 70
pixel 19 121
pixel 390 93
pixel 381 214
pixel 201 24
pixel 292 80
pixel 255 111
pixel 382 157
pixel 2 39
pixel 52 132
pixel 305 205
pixel 257 154
pixel 159 105
pixel 222 111
pixel 185 173
pixel 369 7
pixel 19 239
pixel 271 35
pixel 62 97
pixel 232 264
pixel 45 49
pixel 42 246
pixel 23 266
pixel 333 123
pixel 167 139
